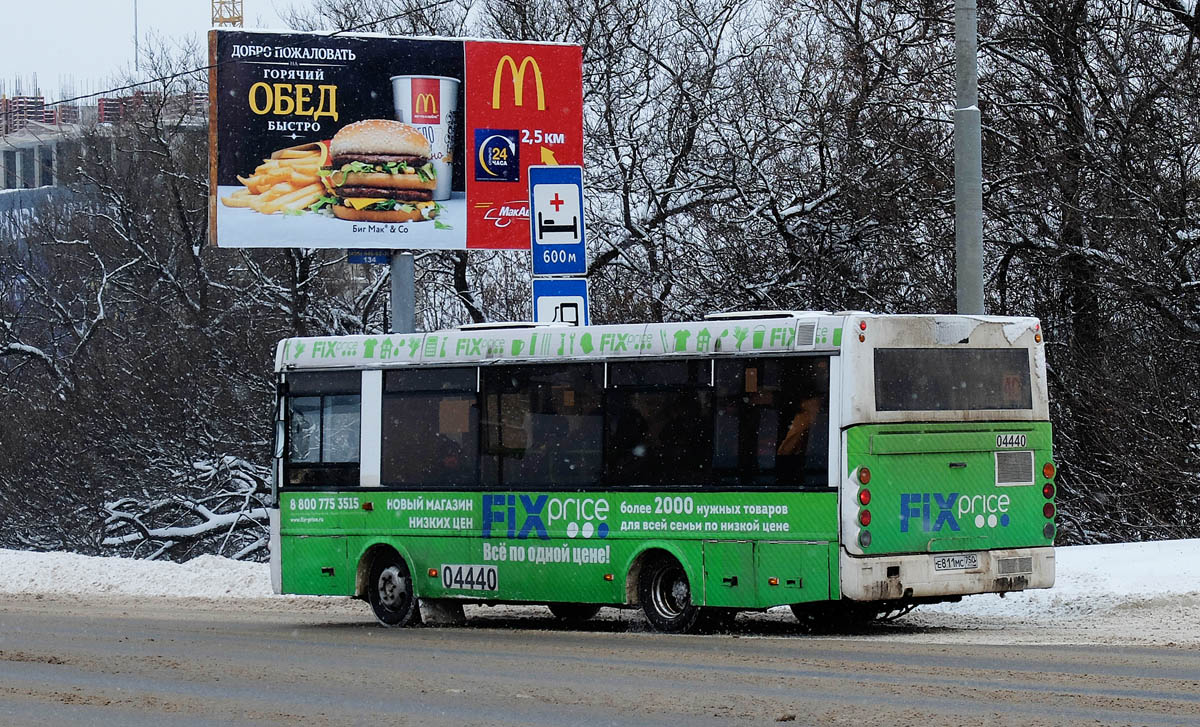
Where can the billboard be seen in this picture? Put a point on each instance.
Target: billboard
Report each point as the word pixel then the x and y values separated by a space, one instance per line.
pixel 369 141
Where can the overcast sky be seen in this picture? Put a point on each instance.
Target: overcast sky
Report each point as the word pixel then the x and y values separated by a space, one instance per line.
pixel 91 41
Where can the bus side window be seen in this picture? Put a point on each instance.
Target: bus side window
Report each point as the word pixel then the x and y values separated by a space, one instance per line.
pixel 542 425
pixel 304 431
pixel 323 414
pixel 659 423
pixel 771 423
pixel 430 434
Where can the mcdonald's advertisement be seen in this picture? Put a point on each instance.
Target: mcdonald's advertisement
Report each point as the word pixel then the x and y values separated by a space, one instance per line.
pixel 369 141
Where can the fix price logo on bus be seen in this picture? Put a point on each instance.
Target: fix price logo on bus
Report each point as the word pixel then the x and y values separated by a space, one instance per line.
pixel 522 516
pixel 934 511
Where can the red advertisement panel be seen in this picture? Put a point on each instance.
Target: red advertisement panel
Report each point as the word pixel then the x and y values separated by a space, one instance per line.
pixel 524 106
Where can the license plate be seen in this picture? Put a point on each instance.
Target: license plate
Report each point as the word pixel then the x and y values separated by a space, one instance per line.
pixel 963 561
pixel 470 577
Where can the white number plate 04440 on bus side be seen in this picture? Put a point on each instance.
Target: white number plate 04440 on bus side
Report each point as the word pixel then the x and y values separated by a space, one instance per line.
pixel 470 577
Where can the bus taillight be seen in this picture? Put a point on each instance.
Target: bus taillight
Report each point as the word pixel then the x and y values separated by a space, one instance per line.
pixel 864 538
pixel 1048 470
pixel 864 475
pixel 1048 490
pixel 1048 509
pixel 864 518
pixel 864 497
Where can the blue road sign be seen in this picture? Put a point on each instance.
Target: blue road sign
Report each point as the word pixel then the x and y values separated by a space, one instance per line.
pixel 561 300
pixel 556 220
pixel 369 257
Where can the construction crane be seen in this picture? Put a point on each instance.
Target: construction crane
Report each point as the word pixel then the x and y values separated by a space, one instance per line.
pixel 227 13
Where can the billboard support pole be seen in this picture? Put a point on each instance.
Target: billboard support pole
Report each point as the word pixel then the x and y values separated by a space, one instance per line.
pixel 968 164
pixel 403 282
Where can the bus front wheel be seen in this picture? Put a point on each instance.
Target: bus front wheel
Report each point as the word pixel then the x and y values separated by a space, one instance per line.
pixel 390 590
pixel 666 596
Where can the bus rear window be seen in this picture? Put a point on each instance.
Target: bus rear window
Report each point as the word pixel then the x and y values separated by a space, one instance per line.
pixel 951 379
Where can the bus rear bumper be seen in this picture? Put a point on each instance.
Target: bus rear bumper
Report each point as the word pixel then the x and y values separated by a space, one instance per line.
pixel 886 578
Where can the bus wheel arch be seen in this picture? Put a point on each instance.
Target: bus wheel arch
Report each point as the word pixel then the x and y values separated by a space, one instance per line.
pixel 385 580
pixel 665 593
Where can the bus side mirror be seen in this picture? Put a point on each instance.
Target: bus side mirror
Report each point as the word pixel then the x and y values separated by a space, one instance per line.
pixel 279 433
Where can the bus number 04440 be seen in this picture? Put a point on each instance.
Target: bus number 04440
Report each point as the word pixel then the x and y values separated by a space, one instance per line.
pixel 1007 441
pixel 469 577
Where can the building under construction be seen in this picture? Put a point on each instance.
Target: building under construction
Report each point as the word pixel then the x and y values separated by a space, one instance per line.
pixel 38 141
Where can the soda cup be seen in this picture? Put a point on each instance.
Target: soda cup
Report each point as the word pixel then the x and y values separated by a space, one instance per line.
pixel 428 103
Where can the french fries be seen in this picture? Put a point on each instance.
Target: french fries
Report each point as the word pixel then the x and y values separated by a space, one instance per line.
pixel 286 182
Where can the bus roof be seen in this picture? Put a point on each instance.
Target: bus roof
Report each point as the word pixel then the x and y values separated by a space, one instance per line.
pixel 761 332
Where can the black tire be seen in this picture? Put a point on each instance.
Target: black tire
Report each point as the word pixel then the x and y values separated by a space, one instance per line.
pixel 666 596
pixel 390 590
pixel 573 612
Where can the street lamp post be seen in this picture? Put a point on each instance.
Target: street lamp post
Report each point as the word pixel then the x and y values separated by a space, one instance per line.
pixel 968 165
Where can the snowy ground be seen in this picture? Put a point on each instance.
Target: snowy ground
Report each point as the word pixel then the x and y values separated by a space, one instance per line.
pixel 1125 593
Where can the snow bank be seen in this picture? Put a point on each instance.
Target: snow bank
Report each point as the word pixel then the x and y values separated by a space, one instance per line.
pixel 1091 579
pixel 68 574
pixel 1097 578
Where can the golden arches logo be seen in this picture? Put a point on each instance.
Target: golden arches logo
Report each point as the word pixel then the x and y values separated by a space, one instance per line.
pixel 518 79
pixel 425 104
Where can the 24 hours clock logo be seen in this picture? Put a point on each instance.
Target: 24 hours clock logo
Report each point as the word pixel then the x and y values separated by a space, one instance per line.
pixel 497 155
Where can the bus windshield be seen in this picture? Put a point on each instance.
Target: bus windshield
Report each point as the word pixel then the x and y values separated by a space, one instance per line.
pixel 951 379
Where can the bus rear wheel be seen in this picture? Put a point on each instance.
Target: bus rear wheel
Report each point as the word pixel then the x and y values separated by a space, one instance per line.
pixel 573 612
pixel 390 590
pixel 666 596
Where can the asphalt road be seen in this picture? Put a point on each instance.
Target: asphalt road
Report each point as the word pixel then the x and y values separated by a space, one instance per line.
pixel 287 661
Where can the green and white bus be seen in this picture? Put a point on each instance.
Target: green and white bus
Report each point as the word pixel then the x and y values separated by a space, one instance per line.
pixel 843 464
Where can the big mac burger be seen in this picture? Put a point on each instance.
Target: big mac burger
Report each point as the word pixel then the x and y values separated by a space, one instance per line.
pixel 379 171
